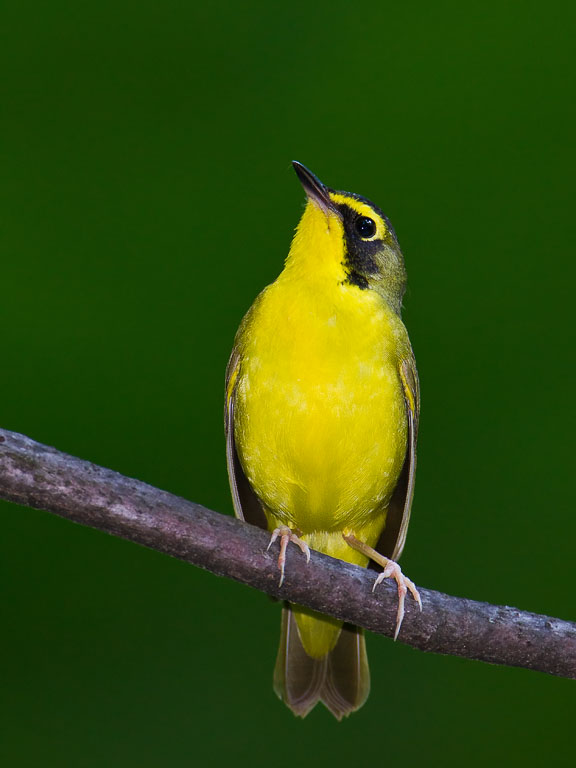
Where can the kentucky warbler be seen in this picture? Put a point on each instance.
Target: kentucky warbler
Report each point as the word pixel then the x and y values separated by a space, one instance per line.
pixel 322 406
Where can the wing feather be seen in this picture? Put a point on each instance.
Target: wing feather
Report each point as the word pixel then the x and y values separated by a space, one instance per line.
pixel 247 505
pixel 393 537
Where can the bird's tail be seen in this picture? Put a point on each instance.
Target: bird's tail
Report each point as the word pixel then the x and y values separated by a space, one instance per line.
pixel 340 679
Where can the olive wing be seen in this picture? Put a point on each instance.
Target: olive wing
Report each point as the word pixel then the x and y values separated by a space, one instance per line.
pixel 247 506
pixel 393 538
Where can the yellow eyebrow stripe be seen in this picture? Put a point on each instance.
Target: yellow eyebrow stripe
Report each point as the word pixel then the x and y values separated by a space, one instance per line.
pixel 362 209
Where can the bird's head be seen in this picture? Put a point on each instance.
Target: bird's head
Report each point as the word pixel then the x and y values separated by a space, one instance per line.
pixel 344 237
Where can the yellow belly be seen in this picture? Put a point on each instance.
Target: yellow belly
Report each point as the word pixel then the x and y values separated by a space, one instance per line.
pixel 320 416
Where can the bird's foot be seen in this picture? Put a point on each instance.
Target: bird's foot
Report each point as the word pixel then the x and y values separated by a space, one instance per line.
pixel 286 536
pixel 391 570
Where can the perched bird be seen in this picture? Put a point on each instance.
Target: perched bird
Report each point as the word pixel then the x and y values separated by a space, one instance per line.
pixel 322 406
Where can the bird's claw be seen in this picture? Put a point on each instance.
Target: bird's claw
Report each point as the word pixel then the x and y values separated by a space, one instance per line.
pixel 393 570
pixel 286 536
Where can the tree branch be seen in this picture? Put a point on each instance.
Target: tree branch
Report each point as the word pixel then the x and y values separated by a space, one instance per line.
pixel 37 476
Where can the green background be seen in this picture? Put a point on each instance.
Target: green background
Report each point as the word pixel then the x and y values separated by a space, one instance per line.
pixel 146 196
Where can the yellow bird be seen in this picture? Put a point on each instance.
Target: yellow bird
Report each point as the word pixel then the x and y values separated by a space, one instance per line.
pixel 322 406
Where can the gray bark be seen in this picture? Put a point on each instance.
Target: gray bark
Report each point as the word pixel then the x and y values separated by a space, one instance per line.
pixel 35 475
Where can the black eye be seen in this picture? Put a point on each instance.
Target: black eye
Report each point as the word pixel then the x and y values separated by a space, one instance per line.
pixel 365 227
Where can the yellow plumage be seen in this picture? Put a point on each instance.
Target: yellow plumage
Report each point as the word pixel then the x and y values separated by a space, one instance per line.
pixel 320 420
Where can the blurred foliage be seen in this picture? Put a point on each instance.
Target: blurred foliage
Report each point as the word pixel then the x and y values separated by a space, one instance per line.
pixel 146 196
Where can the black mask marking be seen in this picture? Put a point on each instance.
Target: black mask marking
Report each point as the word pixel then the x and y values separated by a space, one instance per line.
pixel 359 259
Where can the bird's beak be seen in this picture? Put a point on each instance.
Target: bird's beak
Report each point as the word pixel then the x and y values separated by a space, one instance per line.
pixel 316 191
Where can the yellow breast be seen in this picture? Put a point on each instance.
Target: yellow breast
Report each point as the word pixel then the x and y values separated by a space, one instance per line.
pixel 320 421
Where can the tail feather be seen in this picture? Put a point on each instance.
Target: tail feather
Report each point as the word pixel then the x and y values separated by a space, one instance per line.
pixel 298 678
pixel 340 679
pixel 347 682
